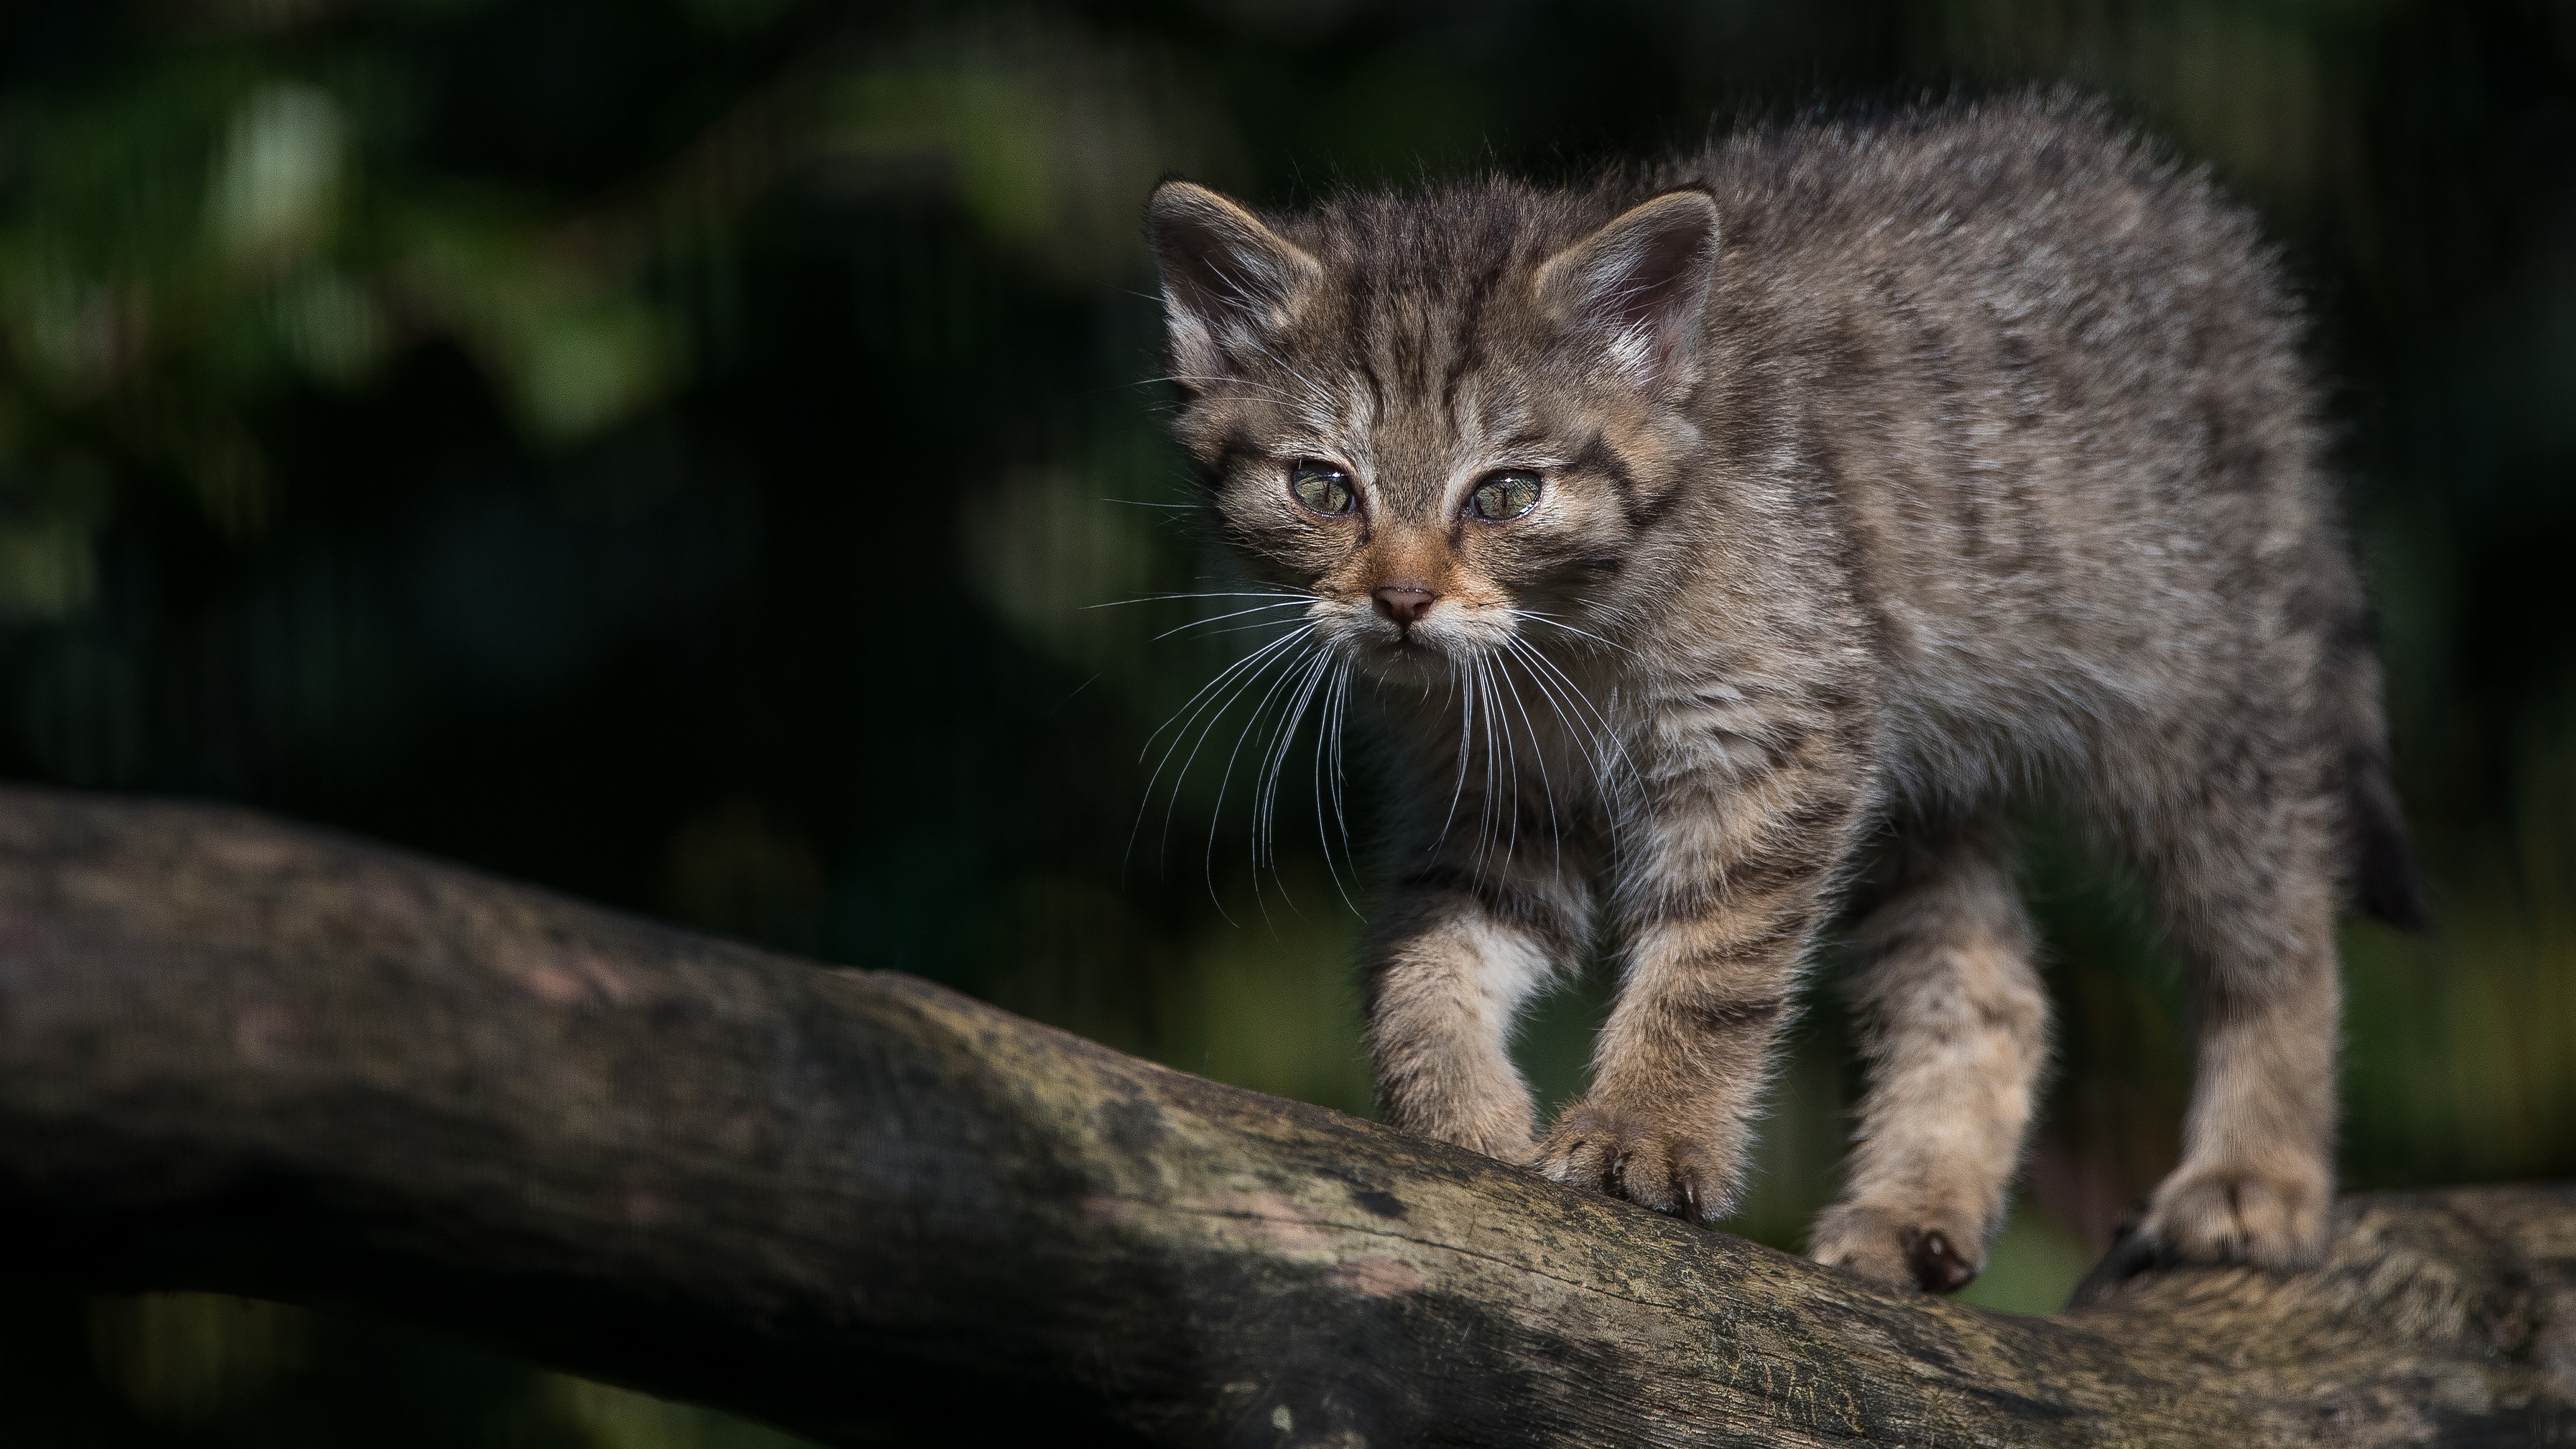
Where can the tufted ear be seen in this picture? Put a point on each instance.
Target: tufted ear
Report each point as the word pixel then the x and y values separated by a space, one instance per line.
pixel 1637 288
pixel 1229 282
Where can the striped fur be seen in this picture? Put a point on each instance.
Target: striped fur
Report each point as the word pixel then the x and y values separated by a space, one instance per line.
pixel 1890 470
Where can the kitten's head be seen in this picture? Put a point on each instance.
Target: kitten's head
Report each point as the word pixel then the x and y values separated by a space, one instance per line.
pixel 1448 418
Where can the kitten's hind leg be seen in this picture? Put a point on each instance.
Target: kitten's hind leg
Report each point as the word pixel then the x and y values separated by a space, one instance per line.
pixel 1955 1031
pixel 2245 881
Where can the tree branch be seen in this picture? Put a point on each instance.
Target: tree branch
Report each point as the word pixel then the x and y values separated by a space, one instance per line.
pixel 263 1059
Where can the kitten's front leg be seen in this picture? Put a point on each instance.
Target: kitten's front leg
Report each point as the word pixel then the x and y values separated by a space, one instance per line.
pixel 1719 904
pixel 1460 950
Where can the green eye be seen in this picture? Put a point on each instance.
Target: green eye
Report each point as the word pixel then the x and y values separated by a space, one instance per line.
pixel 1505 496
pixel 1322 487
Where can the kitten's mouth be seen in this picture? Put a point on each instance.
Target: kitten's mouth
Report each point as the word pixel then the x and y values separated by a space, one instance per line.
pixel 1405 643
pixel 1406 655
pixel 1422 642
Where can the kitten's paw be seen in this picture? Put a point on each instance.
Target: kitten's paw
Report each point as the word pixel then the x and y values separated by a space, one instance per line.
pixel 1496 1123
pixel 2258 1219
pixel 2216 1217
pixel 1648 1165
pixel 1900 1250
pixel 1500 1132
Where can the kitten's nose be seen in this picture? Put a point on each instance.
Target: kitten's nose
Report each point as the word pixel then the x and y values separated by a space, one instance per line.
pixel 1405 603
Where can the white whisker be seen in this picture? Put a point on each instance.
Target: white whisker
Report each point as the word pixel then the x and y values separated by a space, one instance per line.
pixel 1327 728
pixel 1553 622
pixel 1466 739
pixel 1604 749
pixel 1296 662
pixel 1538 753
pixel 1211 685
pixel 1493 763
pixel 1268 795
pixel 1212 699
pixel 1238 594
pixel 1221 618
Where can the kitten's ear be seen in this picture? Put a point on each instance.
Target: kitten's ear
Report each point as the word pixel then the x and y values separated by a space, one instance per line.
pixel 1639 286
pixel 1228 280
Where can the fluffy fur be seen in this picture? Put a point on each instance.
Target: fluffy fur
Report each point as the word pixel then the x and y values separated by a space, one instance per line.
pixel 1885 470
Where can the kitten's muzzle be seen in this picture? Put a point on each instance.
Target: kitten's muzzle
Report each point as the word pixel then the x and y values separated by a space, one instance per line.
pixel 1405 603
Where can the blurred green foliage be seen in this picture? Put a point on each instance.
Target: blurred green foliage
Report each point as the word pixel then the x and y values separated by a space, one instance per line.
pixel 671 450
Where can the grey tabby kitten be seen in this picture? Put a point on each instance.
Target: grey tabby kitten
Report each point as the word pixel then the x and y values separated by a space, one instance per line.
pixel 1729 542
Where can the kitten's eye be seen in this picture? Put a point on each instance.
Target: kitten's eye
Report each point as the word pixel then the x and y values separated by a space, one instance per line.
pixel 1322 487
pixel 1505 496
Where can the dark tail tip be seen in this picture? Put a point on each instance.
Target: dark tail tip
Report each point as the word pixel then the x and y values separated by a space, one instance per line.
pixel 2389 887
pixel 2385 881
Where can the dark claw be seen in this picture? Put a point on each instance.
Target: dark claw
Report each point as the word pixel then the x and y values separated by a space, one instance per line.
pixel 1938 1266
pixel 2131 1254
pixel 1688 1182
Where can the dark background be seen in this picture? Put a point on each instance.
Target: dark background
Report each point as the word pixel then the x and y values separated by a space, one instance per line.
pixel 668 450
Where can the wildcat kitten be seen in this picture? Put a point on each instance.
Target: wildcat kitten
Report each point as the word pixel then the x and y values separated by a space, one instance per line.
pixel 1742 534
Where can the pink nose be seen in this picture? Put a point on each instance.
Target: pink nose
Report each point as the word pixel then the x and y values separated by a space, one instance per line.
pixel 1405 603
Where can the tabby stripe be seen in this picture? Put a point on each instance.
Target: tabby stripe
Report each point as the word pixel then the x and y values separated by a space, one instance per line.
pixel 1498 901
pixel 1596 455
pixel 1729 1016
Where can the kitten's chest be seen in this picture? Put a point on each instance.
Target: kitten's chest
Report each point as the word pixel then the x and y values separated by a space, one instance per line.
pixel 1534 744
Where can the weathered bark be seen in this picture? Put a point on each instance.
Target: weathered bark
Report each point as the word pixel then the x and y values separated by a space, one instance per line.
pixel 245 1056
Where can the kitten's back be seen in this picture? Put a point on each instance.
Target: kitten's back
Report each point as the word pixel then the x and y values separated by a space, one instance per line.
pixel 2063 387
pixel 2055 387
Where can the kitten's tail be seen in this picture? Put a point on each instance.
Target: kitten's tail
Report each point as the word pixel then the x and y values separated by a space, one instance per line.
pixel 2379 853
